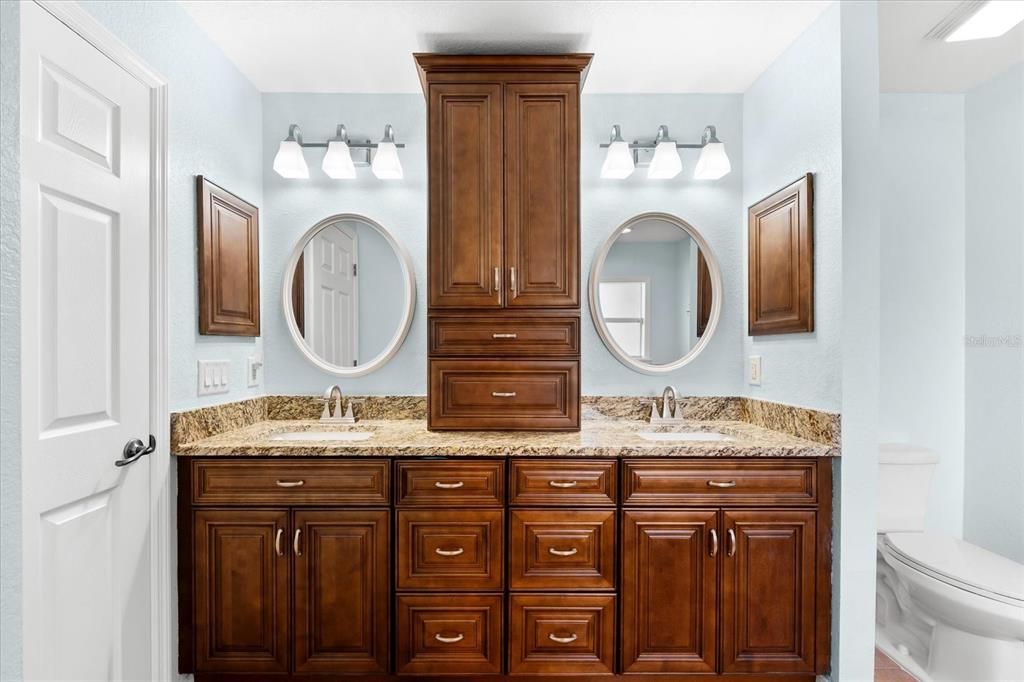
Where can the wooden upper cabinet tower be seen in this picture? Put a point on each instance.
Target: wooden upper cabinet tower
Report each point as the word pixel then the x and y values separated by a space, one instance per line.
pixel 503 281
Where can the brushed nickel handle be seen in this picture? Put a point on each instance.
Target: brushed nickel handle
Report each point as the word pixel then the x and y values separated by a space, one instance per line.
pixel 449 640
pixel 562 484
pixel 563 640
pixel 503 335
pixel 497 278
pixel 515 283
pixel 295 542
pixel 448 486
pixel 562 552
pixel 730 542
pixel 722 484
pixel 503 394
pixel 449 552
pixel 714 543
pixel 290 484
pixel 277 542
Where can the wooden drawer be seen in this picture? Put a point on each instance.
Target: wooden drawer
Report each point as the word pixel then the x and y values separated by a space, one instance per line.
pixel 290 482
pixel 659 482
pixel 561 634
pixel 466 484
pixel 450 550
pixel 504 336
pixel 504 394
pixel 562 549
pixel 562 482
pixel 448 634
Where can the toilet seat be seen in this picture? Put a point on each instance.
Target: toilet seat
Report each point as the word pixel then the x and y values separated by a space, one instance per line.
pixel 961 565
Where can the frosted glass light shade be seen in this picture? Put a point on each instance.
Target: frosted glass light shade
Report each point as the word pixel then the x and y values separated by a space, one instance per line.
pixel 289 162
pixel 666 163
pixel 618 162
pixel 713 162
pixel 992 20
pixel 386 165
pixel 337 162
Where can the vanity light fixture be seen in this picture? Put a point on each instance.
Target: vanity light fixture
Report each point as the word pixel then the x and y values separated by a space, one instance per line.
pixel 338 162
pixel 622 158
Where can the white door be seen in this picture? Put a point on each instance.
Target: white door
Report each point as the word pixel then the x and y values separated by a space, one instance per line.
pixel 332 294
pixel 85 278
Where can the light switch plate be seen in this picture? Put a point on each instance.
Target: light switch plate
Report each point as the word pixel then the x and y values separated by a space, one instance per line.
pixel 254 370
pixel 754 370
pixel 213 377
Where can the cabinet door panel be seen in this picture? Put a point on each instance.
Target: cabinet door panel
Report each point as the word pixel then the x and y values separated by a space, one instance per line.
pixel 341 591
pixel 668 591
pixel 768 591
pixel 465 150
pixel 542 194
pixel 241 590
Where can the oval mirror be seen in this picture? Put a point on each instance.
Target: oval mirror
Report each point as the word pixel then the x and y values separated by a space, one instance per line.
pixel 655 293
pixel 349 295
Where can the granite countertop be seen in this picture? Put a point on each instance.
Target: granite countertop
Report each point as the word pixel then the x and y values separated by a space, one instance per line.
pixel 597 438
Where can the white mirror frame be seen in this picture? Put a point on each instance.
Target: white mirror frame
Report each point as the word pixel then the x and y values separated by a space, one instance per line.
pixel 716 296
pixel 410 299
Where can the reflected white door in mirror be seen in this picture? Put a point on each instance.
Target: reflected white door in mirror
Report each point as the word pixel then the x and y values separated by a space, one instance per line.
pixel 349 294
pixel 655 293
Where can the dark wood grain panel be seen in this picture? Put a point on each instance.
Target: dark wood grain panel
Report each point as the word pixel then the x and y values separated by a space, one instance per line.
pixel 448 634
pixel 463 484
pixel 562 549
pixel 781 261
pixel 558 482
pixel 342 595
pixel 768 583
pixel 290 482
pixel 451 550
pixel 669 591
pixel 241 590
pixel 657 482
pixel 506 336
pixel 561 634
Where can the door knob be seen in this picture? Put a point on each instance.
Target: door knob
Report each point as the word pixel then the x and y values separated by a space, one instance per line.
pixel 134 449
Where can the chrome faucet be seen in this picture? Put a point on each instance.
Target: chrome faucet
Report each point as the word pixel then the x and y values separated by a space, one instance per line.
pixel 671 413
pixel 338 416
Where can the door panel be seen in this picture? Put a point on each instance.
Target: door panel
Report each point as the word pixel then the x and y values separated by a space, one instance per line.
pixel 450 550
pixel 332 299
pixel 241 590
pixel 668 591
pixel 561 634
pixel 768 591
pixel 448 635
pixel 542 194
pixel 341 591
pixel 464 259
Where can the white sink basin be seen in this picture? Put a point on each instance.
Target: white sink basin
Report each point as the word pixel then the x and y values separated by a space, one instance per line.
pixel 685 436
pixel 323 435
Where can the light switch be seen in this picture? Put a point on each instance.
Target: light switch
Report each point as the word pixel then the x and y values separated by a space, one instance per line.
pixel 754 371
pixel 213 376
pixel 253 367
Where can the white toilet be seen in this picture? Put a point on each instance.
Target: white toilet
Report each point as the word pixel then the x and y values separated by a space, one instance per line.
pixel 946 609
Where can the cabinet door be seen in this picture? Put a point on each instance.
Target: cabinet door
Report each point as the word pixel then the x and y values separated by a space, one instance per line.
pixel 341 591
pixel 465 149
pixel 668 591
pixel 241 590
pixel 542 195
pixel 768 591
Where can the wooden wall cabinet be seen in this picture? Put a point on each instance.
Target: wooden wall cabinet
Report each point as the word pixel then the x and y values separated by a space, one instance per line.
pixel 503 234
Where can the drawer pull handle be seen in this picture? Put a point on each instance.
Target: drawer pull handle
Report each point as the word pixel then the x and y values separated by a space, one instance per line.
pixel 449 552
pixel 448 486
pixel 449 640
pixel 295 542
pixel 562 484
pixel 722 484
pixel 714 543
pixel 277 542
pixel 498 335
pixel 562 552
pixel 503 394
pixel 290 484
pixel 497 279
pixel 563 640
pixel 730 542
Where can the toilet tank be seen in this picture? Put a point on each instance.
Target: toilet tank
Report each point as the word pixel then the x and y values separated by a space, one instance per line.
pixel 904 476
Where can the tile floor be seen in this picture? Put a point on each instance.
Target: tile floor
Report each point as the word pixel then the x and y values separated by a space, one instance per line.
pixel 886 670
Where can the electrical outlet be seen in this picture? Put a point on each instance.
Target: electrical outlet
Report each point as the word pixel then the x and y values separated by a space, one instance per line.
pixel 214 376
pixel 754 371
pixel 253 369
